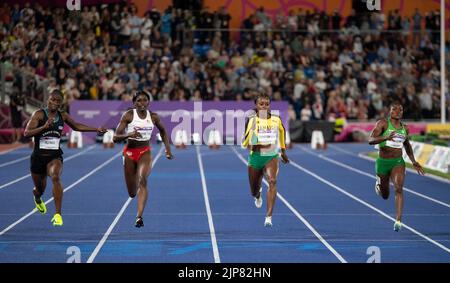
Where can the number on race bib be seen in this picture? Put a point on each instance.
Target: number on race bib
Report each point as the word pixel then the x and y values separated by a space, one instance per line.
pixel 49 143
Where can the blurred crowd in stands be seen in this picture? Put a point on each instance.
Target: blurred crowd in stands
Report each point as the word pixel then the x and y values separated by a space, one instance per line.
pixel 326 66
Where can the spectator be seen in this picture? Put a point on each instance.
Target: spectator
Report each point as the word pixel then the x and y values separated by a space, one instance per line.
pixel 16 106
pixel 110 54
pixel 306 113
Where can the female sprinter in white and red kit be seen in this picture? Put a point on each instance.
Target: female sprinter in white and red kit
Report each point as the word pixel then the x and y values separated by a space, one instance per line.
pixel 139 123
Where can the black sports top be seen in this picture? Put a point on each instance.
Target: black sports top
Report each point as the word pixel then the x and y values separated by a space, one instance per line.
pixel 47 142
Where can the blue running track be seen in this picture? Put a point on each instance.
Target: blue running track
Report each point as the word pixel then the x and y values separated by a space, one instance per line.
pixel 200 210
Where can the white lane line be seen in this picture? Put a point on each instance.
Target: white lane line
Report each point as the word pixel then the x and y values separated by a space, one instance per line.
pixel 116 220
pixel 368 205
pixel 28 175
pixel 65 190
pixel 437 178
pixel 14 161
pixel 373 177
pixel 208 208
pixel 299 216
pixel 12 149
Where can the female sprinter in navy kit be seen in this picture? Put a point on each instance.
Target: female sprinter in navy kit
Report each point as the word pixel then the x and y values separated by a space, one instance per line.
pixel 46 126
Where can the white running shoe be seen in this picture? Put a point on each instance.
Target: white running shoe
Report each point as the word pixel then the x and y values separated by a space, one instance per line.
pixel 259 201
pixel 378 186
pixel 397 226
pixel 268 221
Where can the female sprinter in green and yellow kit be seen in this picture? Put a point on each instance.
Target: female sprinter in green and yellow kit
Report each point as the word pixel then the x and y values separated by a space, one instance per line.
pixel 392 135
pixel 264 135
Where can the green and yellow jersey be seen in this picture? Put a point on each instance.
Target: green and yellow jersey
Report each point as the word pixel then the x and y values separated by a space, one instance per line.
pixel 269 131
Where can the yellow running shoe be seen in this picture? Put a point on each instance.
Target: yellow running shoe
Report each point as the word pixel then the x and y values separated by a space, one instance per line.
pixel 40 206
pixel 57 220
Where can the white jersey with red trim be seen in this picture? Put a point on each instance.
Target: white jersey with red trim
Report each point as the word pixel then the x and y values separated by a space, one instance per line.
pixel 143 126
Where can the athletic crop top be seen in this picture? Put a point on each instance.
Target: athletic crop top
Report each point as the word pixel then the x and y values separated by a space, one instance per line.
pixel 143 126
pixel 268 131
pixel 399 138
pixel 47 141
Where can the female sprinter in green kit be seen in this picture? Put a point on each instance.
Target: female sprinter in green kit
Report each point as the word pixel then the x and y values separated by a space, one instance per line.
pixel 392 135
pixel 264 135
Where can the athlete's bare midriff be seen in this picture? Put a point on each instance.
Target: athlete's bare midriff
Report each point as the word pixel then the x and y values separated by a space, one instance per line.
pixel 137 144
pixel 257 148
pixel 390 152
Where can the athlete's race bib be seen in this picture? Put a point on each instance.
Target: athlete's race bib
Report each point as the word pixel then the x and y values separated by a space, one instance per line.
pixel 397 141
pixel 146 133
pixel 49 143
pixel 266 137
